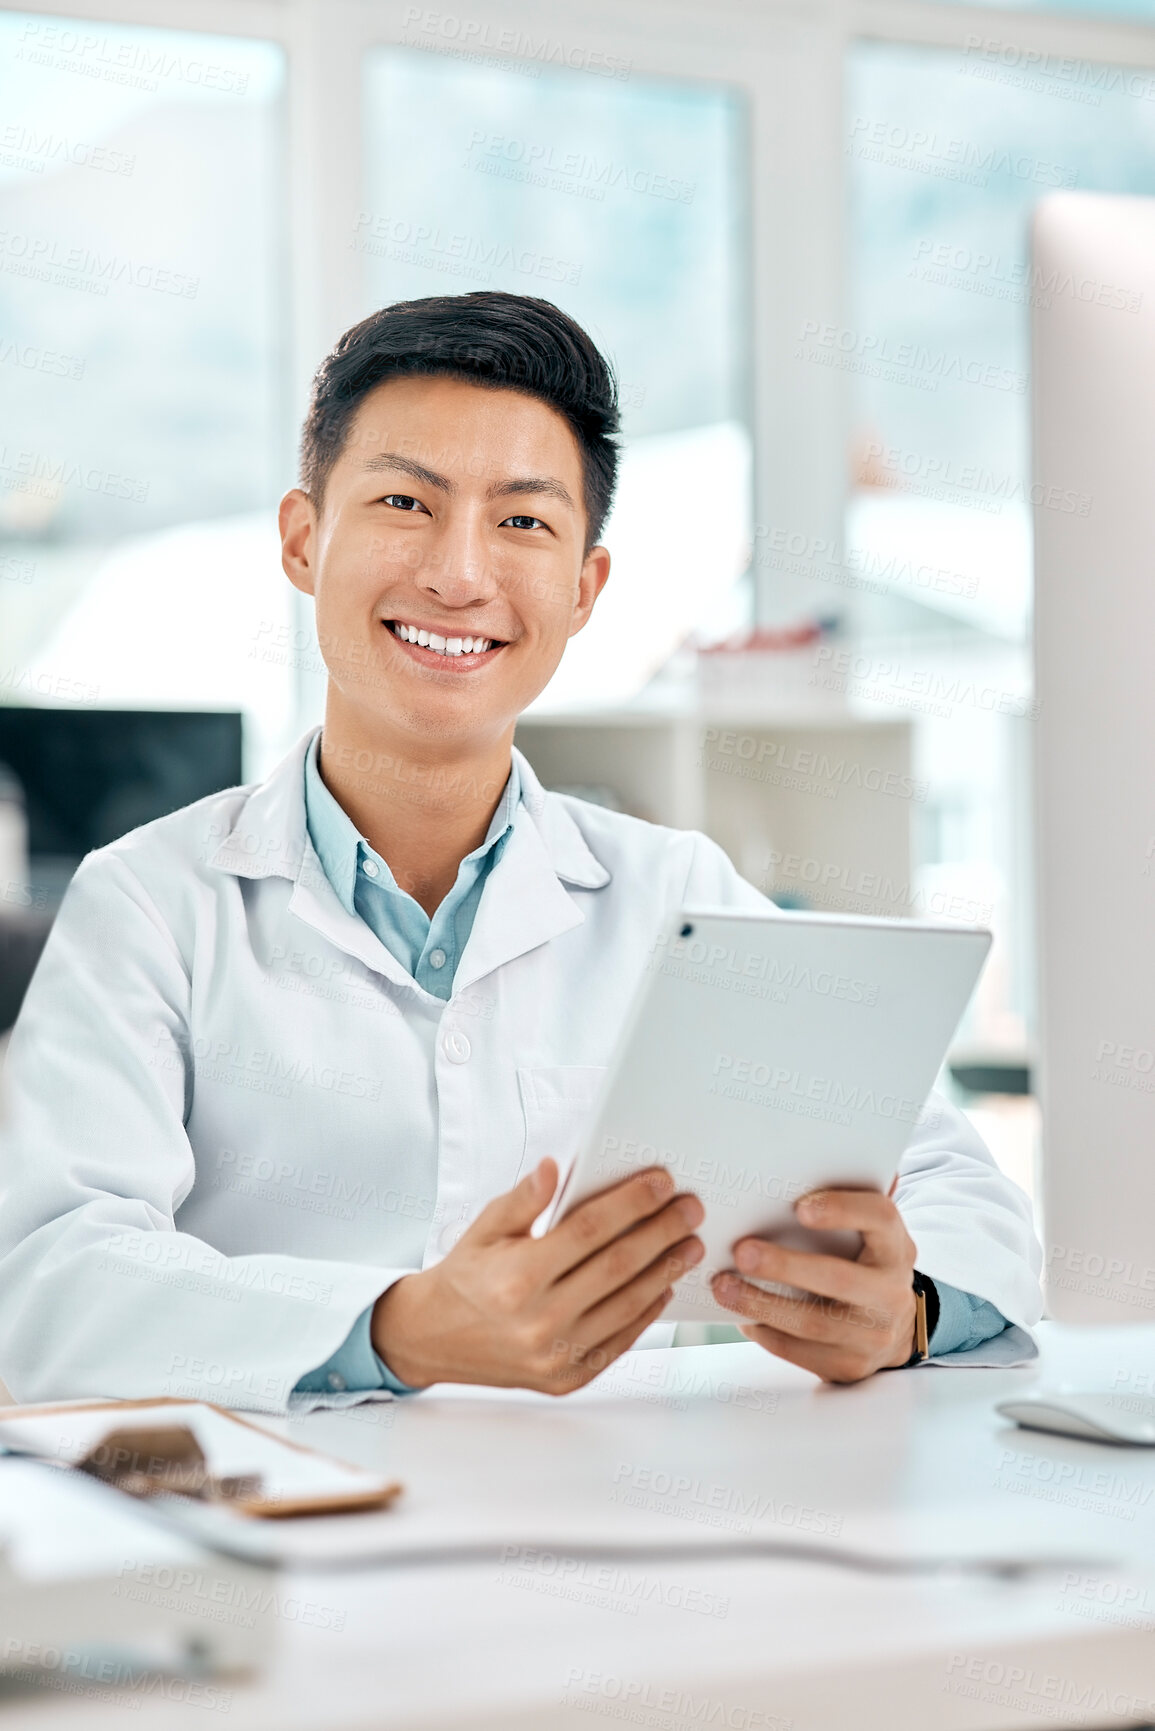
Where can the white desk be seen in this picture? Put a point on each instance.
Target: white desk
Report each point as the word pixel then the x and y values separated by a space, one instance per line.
pixel 906 1461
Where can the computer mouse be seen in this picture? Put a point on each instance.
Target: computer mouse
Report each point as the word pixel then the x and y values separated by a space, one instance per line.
pixel 1093 1413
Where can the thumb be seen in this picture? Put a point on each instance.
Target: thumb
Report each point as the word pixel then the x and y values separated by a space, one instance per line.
pixel 511 1215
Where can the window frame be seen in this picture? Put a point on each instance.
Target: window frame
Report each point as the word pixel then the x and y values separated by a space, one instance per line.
pixel 788 56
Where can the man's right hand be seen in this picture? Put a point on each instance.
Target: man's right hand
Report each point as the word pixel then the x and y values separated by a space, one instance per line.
pixel 548 1313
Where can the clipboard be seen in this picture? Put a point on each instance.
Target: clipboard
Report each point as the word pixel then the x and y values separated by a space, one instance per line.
pixel 294 1480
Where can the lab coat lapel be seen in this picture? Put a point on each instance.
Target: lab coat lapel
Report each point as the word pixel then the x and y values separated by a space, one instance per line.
pixel 315 901
pixel 525 902
pixel 270 839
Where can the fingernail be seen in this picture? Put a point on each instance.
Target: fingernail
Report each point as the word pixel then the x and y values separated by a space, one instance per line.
pixel 812 1205
pixel 693 1253
pixel 747 1257
pixel 659 1181
pixel 692 1211
pixel 725 1283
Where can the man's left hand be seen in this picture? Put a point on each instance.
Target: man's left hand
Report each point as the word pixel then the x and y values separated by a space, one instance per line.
pixel 857 1317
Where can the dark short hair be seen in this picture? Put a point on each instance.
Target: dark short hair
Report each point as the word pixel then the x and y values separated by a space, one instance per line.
pixel 502 341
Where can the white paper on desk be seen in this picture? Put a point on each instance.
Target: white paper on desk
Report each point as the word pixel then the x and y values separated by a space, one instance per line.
pixel 56 1526
pixel 230 1447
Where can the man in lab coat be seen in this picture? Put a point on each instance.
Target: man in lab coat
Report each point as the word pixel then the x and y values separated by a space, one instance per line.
pixel 289 1087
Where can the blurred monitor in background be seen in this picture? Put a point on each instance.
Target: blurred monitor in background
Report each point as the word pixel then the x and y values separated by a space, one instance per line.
pixel 72 780
pixel 1094 426
pixel 89 776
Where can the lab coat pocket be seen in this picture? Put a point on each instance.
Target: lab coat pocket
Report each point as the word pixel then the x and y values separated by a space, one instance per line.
pixel 558 1106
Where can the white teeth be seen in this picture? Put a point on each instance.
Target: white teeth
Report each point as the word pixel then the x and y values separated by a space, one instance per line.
pixel 442 645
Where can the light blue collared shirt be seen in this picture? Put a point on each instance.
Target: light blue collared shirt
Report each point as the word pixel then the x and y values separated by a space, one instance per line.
pixel 429 949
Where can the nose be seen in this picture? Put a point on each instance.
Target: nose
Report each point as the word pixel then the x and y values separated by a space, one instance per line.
pixel 458 568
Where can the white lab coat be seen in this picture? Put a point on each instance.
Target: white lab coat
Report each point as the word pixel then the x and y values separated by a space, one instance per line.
pixel 231 1119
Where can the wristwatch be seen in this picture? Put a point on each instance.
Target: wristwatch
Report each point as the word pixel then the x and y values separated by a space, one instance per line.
pixel 925 1317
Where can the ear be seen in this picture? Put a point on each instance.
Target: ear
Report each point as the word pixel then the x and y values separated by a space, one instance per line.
pixel 297 519
pixel 593 579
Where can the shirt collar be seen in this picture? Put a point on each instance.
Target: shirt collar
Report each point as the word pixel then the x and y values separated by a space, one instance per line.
pixel 340 848
pixel 266 835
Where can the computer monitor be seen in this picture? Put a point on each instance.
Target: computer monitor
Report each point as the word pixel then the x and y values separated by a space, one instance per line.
pixel 1093 287
pixel 90 775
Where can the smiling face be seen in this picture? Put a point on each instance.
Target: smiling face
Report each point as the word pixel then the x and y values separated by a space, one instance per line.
pixel 448 561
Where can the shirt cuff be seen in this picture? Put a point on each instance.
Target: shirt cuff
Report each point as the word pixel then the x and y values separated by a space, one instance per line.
pixel 964 1321
pixel 353 1367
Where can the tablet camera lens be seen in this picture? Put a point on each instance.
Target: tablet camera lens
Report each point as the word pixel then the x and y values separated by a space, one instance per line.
pixel 687 930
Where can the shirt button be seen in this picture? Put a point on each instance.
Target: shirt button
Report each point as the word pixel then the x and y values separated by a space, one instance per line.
pixel 370 868
pixel 336 1381
pixel 456 1047
pixel 437 958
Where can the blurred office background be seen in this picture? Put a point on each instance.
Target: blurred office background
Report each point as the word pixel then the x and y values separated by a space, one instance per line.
pixel 802 236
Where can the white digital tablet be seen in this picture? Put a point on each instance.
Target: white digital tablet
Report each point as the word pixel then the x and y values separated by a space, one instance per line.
pixel 767 1055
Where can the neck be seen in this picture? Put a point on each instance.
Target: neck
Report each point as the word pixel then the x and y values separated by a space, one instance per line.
pixel 423 804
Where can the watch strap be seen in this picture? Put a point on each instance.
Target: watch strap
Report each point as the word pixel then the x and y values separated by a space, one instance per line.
pixel 926 1309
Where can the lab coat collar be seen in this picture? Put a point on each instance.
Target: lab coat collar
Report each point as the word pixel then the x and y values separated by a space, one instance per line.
pixel 268 838
pixel 525 903
pixel 564 843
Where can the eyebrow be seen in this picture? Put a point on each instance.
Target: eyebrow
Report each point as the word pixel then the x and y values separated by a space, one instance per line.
pixel 531 484
pixel 519 485
pixel 406 466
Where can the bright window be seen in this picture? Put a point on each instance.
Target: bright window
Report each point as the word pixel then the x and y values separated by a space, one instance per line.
pixel 948 153
pixel 624 202
pixel 1142 9
pixel 140 361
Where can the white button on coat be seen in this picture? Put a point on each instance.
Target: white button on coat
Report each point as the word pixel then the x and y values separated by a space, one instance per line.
pixel 230 1118
pixel 456 1046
